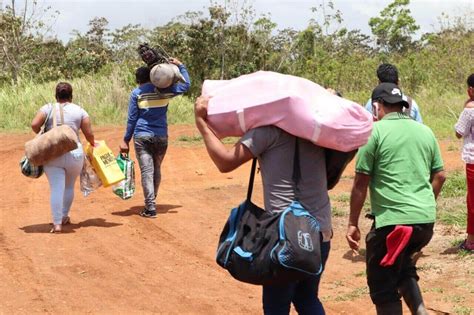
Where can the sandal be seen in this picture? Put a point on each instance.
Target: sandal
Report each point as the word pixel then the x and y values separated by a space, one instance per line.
pixel 56 228
pixel 66 220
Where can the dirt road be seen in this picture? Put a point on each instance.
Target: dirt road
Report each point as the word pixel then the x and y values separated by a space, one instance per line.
pixel 111 260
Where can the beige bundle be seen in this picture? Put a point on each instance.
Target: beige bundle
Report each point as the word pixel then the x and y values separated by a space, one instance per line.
pixel 52 144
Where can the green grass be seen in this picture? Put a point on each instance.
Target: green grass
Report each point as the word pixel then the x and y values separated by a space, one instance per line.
pixel 354 294
pixel 463 310
pixel 105 98
pixel 338 212
pixel 190 139
pixel 181 111
pixel 455 185
pixel 344 197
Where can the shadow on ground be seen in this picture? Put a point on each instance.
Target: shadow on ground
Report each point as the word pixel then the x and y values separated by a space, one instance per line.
pixel 137 209
pixel 69 228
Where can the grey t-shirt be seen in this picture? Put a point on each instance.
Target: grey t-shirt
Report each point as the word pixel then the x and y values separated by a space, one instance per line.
pixel 73 116
pixel 275 151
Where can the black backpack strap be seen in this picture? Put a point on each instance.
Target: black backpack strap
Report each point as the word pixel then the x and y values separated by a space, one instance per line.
pixel 252 177
pixel 296 168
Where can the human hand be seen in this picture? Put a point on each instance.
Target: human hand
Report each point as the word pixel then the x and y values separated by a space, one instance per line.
pixel 200 107
pixel 175 61
pixel 353 237
pixel 95 144
pixel 124 148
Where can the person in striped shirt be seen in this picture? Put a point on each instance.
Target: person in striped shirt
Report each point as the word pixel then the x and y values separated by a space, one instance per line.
pixel 147 124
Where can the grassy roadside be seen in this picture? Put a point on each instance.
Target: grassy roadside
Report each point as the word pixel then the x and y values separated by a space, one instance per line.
pixel 105 98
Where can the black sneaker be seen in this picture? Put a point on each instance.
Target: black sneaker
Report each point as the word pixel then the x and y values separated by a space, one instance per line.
pixel 148 214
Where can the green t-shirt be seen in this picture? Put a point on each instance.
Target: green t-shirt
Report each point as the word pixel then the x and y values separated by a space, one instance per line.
pixel 400 157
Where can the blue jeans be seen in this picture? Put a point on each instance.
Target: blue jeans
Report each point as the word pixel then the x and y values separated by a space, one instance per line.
pixel 62 173
pixel 150 152
pixel 304 294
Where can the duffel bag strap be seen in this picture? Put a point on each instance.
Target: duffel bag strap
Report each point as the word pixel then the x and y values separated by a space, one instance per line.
pixel 296 169
pixel 252 177
pixel 61 112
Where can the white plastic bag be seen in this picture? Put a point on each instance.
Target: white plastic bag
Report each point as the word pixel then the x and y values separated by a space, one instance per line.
pixel 90 181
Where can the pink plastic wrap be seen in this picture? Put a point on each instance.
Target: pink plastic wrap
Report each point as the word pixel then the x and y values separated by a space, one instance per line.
pixel 296 105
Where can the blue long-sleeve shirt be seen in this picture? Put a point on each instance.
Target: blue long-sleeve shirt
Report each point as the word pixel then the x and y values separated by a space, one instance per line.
pixel 147 109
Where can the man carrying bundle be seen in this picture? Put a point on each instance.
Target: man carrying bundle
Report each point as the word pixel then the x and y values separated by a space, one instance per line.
pixel 147 123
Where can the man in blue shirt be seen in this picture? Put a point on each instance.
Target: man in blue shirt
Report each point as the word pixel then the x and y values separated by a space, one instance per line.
pixel 147 123
pixel 388 73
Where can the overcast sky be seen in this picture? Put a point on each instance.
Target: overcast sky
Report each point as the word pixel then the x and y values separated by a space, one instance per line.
pixel 75 14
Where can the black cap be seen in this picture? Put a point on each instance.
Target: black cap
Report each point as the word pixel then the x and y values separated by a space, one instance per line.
pixel 390 93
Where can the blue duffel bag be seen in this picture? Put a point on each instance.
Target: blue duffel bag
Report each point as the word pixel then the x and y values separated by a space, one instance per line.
pixel 264 248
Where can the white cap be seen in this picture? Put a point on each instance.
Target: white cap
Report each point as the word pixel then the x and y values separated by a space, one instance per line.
pixel 164 75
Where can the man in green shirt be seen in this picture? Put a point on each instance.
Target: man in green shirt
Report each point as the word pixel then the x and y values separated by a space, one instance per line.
pixel 402 166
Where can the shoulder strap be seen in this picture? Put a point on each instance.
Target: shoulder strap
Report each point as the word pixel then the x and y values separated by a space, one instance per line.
pixel 251 180
pixel 296 173
pixel 54 116
pixel 296 168
pixel 61 113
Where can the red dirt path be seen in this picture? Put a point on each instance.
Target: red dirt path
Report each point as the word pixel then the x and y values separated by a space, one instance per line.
pixel 111 260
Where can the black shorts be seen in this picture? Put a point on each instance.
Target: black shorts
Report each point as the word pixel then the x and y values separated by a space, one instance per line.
pixel 384 281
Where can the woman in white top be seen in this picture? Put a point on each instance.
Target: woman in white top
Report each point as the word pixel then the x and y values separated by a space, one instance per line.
pixel 465 129
pixel 62 172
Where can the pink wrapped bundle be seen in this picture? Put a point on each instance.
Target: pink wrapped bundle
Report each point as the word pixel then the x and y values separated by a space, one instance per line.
pixel 296 105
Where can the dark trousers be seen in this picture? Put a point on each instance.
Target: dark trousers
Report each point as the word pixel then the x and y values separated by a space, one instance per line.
pixel 384 282
pixel 150 152
pixel 303 294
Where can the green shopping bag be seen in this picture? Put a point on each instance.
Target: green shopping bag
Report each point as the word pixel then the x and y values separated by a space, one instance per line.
pixel 126 187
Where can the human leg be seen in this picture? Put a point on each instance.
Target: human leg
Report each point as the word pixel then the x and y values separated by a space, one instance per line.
pixel 382 281
pixel 160 146
pixel 411 294
pixel 470 206
pixel 146 163
pixel 391 308
pixel 277 299
pixel 56 179
pixel 74 161
pixel 306 298
pixel 408 285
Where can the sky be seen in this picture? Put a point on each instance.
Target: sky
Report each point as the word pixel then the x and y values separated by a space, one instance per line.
pixel 75 14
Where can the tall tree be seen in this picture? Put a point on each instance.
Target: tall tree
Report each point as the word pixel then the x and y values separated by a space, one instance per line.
pixel 394 27
pixel 19 31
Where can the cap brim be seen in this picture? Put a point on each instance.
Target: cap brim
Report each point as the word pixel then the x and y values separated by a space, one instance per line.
pixel 395 100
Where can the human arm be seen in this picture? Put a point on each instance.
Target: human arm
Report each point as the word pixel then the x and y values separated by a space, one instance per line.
pixel 132 118
pixel 437 180
pixel 86 128
pixel 226 159
pixel 358 195
pixel 179 87
pixel 38 121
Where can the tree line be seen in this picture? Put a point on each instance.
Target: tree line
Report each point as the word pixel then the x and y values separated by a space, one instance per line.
pixel 223 43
